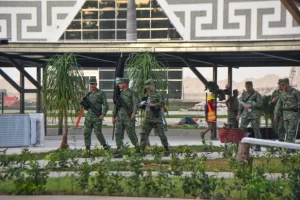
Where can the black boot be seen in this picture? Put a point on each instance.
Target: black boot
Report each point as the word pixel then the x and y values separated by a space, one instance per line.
pixel 167 151
pixel 257 148
pixel 117 154
pixel 106 147
pixel 87 151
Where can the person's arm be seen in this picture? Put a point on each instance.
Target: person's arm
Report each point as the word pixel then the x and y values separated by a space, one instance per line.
pixel 160 103
pixel 105 106
pixel 135 101
pixel 258 103
pixel 278 107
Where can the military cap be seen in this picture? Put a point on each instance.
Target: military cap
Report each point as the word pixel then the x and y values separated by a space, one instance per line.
pixel 123 80
pixel 248 83
pixel 279 80
pixel 148 83
pixel 235 91
pixel 284 81
pixel 93 81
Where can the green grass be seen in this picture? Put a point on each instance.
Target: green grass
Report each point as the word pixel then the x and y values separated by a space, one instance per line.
pixel 69 186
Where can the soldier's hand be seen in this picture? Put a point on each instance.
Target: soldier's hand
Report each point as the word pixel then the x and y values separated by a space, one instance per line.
pixel 113 119
pixel 150 104
pixel 274 100
pixel 101 117
pixel 275 118
pixel 246 106
pixel 132 116
pixel 238 117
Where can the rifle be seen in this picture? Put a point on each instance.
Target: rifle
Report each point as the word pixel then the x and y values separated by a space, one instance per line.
pixel 87 104
pixel 119 72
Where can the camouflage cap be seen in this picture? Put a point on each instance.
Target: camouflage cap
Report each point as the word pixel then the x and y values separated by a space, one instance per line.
pixel 284 81
pixel 93 81
pixel 279 80
pixel 248 83
pixel 148 83
pixel 123 80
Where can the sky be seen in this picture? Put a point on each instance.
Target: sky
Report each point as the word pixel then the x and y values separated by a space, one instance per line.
pixel 242 73
pixel 238 74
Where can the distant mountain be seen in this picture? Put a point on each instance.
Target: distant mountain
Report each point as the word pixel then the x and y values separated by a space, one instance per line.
pixel 193 88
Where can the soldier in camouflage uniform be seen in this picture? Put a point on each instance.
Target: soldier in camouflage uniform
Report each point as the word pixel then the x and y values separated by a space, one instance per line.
pixel 288 103
pixel 233 108
pixel 125 119
pixel 249 110
pixel 92 121
pixel 153 117
pixel 278 126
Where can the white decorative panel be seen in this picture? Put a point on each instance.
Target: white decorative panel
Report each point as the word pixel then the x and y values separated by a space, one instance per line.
pixel 36 20
pixel 231 19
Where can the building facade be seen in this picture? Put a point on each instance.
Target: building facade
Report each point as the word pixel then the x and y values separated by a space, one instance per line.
pixel 90 21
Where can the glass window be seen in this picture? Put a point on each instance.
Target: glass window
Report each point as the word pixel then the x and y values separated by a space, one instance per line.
pixel 121 35
pixel 121 24
pixel 175 75
pixel 143 24
pixel 106 85
pixel 109 94
pixel 143 14
pixel 107 25
pixel 121 14
pixel 90 25
pixel 90 14
pixel 143 34
pixel 175 85
pixel 107 5
pixel 107 74
pixel 75 25
pixel 158 13
pixel 73 35
pixel 121 3
pixel 159 34
pixel 106 14
pixel 175 95
pixel 78 16
pixel 160 23
pixel 90 5
pixel 143 4
pixel 107 35
pixel 62 37
pixel 154 4
pixel 173 34
pixel 92 35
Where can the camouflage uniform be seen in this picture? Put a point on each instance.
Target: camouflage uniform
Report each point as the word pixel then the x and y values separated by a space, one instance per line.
pixel 233 109
pixel 153 118
pixel 92 121
pixel 286 102
pixel 278 126
pixel 124 121
pixel 253 113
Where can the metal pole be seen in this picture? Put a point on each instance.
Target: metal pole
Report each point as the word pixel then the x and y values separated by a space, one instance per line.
pixel 22 96
pixel 229 82
pixel 215 79
pixel 2 108
pixel 38 95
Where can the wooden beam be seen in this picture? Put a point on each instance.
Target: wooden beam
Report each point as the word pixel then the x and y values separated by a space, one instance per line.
pixel 290 5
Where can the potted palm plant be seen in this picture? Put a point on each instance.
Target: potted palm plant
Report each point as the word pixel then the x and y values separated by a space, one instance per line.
pixel 63 86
